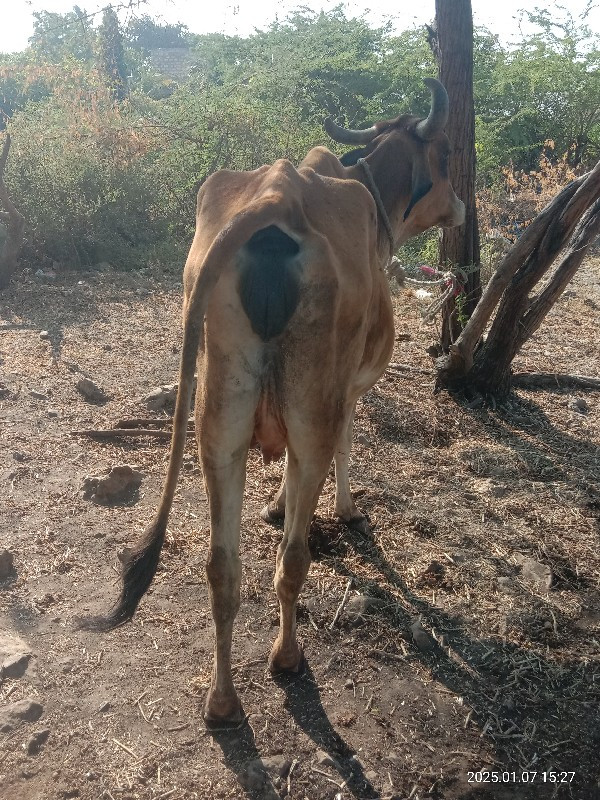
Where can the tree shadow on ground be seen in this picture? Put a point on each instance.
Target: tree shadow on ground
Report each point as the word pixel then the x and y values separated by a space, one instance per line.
pixel 303 701
pixel 536 714
pixel 526 417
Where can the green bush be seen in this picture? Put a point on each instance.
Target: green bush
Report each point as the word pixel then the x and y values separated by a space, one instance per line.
pixel 77 172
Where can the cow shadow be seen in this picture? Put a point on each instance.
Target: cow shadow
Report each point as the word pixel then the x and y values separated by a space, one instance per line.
pixel 303 702
pixel 550 445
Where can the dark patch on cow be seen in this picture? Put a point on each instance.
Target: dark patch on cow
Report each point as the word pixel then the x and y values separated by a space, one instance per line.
pixel 269 281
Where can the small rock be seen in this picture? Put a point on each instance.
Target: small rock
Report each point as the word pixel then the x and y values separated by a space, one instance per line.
pixel 20 457
pixel 6 564
pixel 364 440
pixel 52 413
pixel 325 760
pixel 14 655
pixel 21 711
pixel 578 404
pixel 349 684
pixel 534 573
pixel 120 480
pixel 254 777
pixel 421 638
pixel 371 776
pixel 124 554
pixel 39 273
pixel 277 766
pixel 38 395
pixel 4 391
pixel 105 706
pixel 37 740
pixel 91 391
pixel 44 335
pixel 163 397
pixel 15 666
pixel 364 604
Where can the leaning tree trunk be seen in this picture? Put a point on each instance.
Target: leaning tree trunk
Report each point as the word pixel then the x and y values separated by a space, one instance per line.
pixel 451 41
pixel 14 222
pixel 573 219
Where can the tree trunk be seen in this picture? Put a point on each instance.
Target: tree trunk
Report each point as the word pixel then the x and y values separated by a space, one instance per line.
pixel 572 217
pixel 15 224
pixel 451 41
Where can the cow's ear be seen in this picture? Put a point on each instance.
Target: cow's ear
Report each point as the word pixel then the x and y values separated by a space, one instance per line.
pixel 349 159
pixel 421 182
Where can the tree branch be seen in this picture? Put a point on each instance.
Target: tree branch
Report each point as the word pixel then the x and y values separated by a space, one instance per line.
pixel 521 256
pixel 585 232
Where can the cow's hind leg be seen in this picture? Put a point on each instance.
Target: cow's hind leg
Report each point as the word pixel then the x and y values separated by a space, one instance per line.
pixel 304 483
pixel 225 487
pixel 345 507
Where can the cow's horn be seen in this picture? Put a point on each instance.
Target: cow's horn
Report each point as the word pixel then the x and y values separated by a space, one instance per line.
pixel 438 114
pixel 347 136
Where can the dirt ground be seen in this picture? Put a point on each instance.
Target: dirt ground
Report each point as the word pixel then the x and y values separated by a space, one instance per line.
pixel 485 533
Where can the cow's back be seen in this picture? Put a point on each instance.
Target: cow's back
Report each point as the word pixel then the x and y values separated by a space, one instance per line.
pixel 293 317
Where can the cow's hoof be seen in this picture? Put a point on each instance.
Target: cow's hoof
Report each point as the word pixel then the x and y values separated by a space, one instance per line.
pixel 222 712
pixel 288 662
pixel 359 523
pixel 272 514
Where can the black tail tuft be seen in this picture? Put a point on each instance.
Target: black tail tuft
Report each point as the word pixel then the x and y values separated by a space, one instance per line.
pixel 138 572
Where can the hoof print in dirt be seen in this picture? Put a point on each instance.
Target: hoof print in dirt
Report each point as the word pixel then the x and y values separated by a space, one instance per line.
pixel 7 568
pixel 91 391
pixel 120 483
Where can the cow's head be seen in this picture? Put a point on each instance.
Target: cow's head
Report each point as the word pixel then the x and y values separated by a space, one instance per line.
pixel 408 158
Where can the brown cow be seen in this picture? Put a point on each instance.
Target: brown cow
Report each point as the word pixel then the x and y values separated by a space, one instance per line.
pixel 288 318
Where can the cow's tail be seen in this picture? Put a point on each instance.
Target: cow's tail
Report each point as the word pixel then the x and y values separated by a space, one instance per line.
pixel 142 563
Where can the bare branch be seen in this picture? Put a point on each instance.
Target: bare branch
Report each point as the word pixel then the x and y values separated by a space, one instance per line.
pixel 522 257
pixel 586 231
